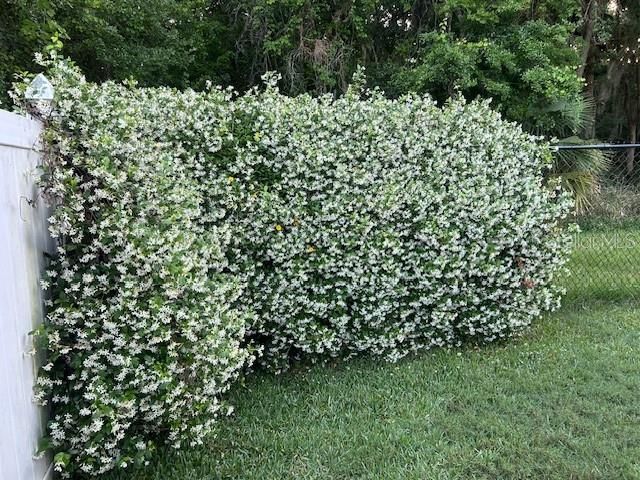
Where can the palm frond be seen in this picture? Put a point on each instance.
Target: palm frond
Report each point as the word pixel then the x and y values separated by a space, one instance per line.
pixel 580 171
pixel 573 115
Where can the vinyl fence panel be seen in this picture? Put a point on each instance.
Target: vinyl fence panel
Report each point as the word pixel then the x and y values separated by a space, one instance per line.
pixel 24 239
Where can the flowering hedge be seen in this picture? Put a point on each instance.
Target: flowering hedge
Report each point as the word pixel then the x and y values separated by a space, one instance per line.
pixel 390 226
pixel 199 229
pixel 141 332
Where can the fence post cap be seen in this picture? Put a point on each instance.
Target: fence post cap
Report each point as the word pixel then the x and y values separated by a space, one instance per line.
pixel 40 89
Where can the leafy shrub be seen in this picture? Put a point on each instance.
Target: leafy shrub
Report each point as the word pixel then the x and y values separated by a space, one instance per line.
pixel 194 224
pixel 390 226
pixel 141 334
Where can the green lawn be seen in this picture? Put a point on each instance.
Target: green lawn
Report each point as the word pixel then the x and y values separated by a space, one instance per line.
pixel 561 402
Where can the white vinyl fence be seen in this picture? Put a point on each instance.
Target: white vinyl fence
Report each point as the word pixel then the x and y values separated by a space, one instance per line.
pixel 24 239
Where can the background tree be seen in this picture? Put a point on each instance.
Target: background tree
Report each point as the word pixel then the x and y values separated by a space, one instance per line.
pixel 518 53
pixel 164 42
pixel 315 45
pixel 617 79
pixel 26 26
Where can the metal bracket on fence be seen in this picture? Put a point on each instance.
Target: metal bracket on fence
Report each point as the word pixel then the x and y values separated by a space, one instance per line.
pixel 30 202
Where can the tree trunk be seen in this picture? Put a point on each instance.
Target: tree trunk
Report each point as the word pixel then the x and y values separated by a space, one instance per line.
pixel 631 153
pixel 633 115
pixel 589 13
pixel 589 76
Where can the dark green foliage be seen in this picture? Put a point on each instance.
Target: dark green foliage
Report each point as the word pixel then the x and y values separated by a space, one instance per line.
pixel 315 45
pixel 522 60
pixel 164 42
pixel 26 26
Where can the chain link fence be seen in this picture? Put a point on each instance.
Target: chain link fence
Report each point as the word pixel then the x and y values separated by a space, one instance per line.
pixel 605 263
